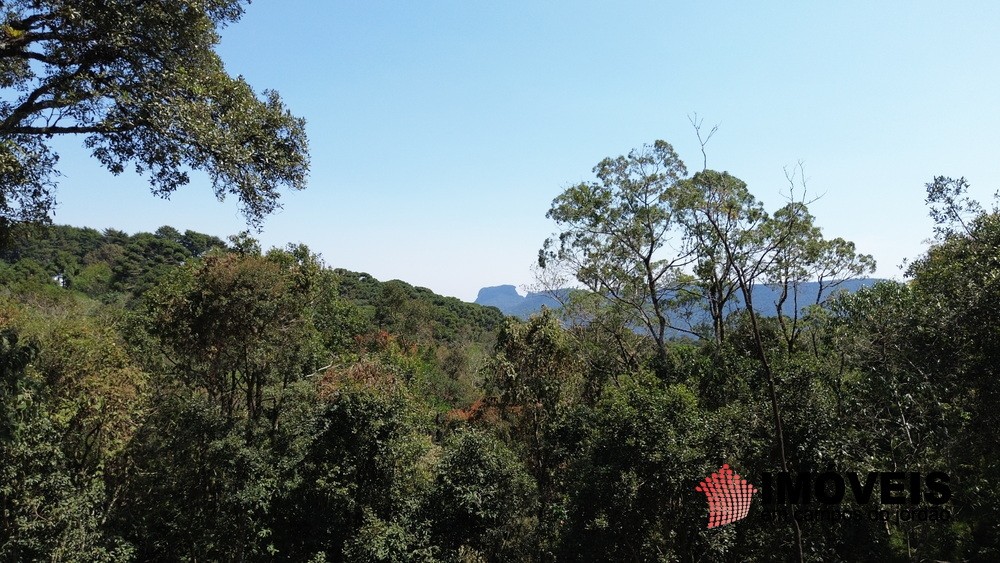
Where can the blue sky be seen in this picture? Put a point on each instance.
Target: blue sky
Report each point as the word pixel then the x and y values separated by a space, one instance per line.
pixel 440 132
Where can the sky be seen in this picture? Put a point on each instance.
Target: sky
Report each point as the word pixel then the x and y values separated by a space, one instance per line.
pixel 441 131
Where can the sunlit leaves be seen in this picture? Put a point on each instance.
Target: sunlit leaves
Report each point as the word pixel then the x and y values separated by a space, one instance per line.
pixel 144 84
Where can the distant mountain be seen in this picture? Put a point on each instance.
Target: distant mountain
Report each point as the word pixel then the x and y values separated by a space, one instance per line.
pixel 765 297
pixel 510 302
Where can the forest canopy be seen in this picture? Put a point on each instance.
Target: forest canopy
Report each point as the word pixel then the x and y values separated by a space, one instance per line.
pixel 177 396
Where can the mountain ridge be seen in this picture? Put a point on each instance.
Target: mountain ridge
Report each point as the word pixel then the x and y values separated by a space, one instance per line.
pixel 506 298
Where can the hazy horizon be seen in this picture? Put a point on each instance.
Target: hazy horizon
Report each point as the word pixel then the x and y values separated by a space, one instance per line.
pixel 440 133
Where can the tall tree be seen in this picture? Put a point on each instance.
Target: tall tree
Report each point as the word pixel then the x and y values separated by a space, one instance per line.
pixel 726 226
pixel 806 256
pixel 722 214
pixel 619 235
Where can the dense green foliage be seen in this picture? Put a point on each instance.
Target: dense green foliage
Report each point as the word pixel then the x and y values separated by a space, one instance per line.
pixel 172 396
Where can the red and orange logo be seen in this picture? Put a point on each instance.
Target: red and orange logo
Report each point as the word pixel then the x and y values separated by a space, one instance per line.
pixel 728 496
